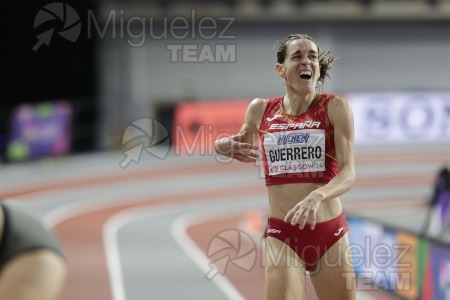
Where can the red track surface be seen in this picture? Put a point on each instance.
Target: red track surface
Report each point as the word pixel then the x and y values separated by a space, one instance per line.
pixel 81 235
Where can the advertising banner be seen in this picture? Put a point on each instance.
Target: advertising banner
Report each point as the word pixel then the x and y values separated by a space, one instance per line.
pixel 401 117
pixel 39 130
pixel 198 124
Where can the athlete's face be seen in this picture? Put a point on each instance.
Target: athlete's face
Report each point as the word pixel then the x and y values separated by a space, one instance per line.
pixel 300 69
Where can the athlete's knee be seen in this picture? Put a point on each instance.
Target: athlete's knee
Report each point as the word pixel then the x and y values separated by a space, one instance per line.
pixel 35 275
pixel 43 260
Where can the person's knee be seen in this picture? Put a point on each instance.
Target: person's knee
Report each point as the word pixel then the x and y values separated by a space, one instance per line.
pixel 53 270
pixel 36 275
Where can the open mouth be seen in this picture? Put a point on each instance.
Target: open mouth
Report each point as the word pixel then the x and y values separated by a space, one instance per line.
pixel 306 75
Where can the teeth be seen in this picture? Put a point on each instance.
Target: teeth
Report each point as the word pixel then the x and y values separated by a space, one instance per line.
pixel 305 75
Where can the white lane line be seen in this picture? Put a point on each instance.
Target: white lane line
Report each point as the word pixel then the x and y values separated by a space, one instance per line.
pixel 178 231
pixel 36 173
pixel 135 214
pixel 70 210
pixel 71 203
pixel 111 243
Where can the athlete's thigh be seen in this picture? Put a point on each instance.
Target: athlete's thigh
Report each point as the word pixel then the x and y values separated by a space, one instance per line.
pixel 334 276
pixel 285 272
pixel 35 275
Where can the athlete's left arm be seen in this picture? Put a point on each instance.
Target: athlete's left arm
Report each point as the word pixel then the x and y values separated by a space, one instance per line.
pixel 341 117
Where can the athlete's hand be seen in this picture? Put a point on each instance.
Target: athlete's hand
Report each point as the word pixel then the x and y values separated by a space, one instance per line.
pixel 304 212
pixel 234 147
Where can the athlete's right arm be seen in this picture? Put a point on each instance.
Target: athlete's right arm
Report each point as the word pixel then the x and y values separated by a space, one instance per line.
pixel 240 146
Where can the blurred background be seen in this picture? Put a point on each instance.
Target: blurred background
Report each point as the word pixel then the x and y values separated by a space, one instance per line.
pixel 123 60
pixel 88 85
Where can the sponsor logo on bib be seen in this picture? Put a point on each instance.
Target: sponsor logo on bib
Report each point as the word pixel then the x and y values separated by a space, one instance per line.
pixel 295 151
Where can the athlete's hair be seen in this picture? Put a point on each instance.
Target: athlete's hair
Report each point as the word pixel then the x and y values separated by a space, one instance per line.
pixel 325 57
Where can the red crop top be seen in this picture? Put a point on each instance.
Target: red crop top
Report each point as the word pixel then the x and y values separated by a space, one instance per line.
pixel 298 148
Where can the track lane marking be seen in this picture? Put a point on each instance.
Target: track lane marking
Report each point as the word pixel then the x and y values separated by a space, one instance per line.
pixel 122 175
pixel 106 183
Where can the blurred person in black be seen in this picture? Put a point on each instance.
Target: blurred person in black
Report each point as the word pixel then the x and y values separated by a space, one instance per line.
pixel 439 201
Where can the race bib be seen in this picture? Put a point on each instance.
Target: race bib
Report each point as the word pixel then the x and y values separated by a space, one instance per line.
pixel 295 151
